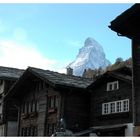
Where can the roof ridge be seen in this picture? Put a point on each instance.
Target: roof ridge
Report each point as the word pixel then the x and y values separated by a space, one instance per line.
pixel 11 68
pixel 71 76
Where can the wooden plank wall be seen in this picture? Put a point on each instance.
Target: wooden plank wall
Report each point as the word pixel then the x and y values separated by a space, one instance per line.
pixel 76 110
pixel 136 79
pixel 100 95
pixel 42 103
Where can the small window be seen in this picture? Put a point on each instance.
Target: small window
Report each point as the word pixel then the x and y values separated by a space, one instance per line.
pixel 52 101
pixel 29 131
pixel 33 106
pixel 51 129
pixel 23 108
pixel 35 131
pixel 29 107
pixel 26 107
pixel 112 86
pixel 116 85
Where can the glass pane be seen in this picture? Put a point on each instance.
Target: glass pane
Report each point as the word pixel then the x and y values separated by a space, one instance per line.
pixel 119 104
pixel 125 105
pixel 115 86
pixel 112 107
pixel 110 87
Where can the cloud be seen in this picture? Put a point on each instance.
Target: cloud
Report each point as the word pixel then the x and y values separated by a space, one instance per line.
pixel 19 52
pixel 20 34
pixel 13 54
pixel 2 27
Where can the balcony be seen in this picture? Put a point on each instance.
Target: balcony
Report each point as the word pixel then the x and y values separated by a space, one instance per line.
pixel 33 114
pixel 24 116
pixel 52 110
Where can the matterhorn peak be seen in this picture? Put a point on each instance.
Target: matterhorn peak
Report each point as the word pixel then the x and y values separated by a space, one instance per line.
pixel 89 41
pixel 90 56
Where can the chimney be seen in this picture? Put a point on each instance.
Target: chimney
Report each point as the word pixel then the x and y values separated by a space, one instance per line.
pixel 69 71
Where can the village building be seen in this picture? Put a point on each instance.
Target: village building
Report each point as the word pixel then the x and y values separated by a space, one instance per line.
pixel 49 102
pixel 8 76
pixel 111 103
pixel 127 24
pixel 43 102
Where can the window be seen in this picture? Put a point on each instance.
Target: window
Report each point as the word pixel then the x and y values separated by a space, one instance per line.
pixel 29 131
pixel 28 107
pixel 105 108
pixel 115 107
pixel 119 106
pixel 113 86
pixel 51 129
pixel 126 105
pixel 116 85
pixel 52 101
pixel 112 107
pixel 25 108
pixel 33 106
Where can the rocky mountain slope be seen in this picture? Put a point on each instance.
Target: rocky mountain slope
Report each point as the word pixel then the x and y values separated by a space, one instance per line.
pixel 91 55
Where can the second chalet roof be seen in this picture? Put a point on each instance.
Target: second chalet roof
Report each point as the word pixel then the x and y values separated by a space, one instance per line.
pixel 123 73
pixel 10 73
pixel 61 79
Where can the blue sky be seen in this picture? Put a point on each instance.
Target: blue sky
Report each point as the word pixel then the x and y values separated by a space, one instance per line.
pixel 49 36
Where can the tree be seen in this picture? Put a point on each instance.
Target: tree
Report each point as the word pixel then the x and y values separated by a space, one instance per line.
pixel 119 60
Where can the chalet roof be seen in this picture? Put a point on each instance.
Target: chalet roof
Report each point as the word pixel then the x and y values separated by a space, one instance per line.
pixel 53 78
pixel 61 79
pixel 127 23
pixel 10 73
pixel 117 73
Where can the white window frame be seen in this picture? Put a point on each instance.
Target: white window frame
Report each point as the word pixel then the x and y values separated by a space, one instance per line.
pixel 112 85
pixel 112 107
pixel 126 109
pixel 107 107
pixel 119 107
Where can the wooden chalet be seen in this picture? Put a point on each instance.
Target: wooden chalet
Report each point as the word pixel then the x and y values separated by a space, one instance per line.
pixel 49 102
pixel 128 24
pixel 8 76
pixel 111 103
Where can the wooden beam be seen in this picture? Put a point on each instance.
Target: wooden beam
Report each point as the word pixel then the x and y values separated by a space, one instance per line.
pixel 136 80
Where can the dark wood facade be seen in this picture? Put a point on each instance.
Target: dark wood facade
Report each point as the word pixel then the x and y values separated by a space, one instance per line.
pixel 103 123
pixel 8 76
pixel 127 24
pixel 44 98
pixel 76 110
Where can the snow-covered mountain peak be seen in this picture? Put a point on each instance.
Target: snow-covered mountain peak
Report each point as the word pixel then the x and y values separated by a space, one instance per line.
pixel 91 55
pixel 90 42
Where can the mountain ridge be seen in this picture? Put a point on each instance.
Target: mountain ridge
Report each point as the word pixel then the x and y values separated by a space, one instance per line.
pixel 91 55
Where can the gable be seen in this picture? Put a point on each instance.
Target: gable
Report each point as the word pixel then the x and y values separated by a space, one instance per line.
pixel 108 77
